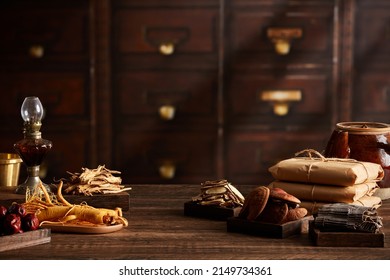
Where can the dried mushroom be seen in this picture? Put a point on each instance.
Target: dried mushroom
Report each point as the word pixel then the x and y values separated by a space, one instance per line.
pixel 273 205
pixel 295 214
pixel 254 203
pixel 219 193
pixel 274 212
pixel 278 194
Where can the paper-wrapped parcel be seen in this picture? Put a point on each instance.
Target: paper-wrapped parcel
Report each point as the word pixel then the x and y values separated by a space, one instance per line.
pixel 330 193
pixel 317 181
pixel 340 172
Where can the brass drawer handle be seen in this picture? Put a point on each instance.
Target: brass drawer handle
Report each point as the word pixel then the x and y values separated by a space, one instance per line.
pixel 282 38
pixel 281 99
pixel 166 39
pixel 36 51
pixel 167 112
pixel 167 48
pixel 167 170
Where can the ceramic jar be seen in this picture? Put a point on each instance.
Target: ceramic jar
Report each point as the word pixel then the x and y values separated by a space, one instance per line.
pixel 363 141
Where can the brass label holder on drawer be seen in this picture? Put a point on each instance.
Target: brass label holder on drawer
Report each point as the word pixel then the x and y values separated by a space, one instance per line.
pixel 167 112
pixel 166 38
pixel 167 170
pixel 281 99
pixel 282 37
pixel 36 51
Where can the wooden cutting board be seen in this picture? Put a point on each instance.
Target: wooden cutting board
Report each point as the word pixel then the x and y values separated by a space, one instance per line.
pixel 26 239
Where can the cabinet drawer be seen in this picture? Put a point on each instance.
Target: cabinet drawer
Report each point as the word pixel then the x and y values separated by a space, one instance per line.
pixel 165 31
pixel 249 155
pixel 44 32
pixel 62 94
pixel 372 33
pixel 283 31
pixel 70 151
pixel 9 137
pixel 373 97
pixel 144 94
pixel 253 98
pixel 173 157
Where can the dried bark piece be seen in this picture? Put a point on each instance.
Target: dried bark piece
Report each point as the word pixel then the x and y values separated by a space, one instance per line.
pixel 219 193
pixel 95 181
pixel 254 203
pixel 274 212
pixel 215 190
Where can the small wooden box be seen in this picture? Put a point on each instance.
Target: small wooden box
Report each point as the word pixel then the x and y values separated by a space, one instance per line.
pixel 345 239
pixel 209 211
pixel 25 239
pixel 266 229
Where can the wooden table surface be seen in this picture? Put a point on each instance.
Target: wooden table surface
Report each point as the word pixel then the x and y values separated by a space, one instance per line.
pixel 158 229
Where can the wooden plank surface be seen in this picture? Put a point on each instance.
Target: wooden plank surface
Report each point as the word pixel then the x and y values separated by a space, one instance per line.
pixel 158 229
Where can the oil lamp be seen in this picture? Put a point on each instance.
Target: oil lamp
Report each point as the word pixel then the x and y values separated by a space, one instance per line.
pixel 32 148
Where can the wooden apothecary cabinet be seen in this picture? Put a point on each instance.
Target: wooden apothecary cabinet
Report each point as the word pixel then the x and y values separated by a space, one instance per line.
pixel 185 91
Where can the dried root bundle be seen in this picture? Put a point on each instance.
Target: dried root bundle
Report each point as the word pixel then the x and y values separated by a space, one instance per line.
pixel 57 210
pixel 95 181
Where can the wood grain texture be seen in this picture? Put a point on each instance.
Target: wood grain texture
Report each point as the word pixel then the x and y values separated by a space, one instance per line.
pixel 158 229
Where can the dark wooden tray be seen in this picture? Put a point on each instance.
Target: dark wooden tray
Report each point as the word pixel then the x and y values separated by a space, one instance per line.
pixel 345 239
pixel 26 239
pixel 110 201
pixel 266 229
pixel 210 212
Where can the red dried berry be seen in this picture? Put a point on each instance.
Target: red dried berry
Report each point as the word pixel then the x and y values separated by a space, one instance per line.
pixel 30 222
pixel 17 208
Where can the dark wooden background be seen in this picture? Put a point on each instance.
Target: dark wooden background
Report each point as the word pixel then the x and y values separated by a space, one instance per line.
pixel 102 80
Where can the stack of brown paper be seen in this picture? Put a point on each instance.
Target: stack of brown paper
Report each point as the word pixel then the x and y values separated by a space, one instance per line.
pixel 318 181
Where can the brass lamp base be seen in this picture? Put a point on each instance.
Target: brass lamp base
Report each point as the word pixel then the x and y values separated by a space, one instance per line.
pixel 32 182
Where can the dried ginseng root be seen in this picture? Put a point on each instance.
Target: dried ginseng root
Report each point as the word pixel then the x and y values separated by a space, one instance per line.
pixel 56 210
pixel 219 193
pixel 94 181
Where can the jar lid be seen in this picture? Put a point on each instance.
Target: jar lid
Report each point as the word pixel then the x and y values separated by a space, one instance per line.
pixel 364 127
